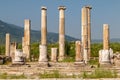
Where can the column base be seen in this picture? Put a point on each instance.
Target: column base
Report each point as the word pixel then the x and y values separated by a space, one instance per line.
pixel 18 63
pixel 43 53
pixel 44 64
pixel 53 60
pixel 61 58
pixel 81 63
pixel 105 64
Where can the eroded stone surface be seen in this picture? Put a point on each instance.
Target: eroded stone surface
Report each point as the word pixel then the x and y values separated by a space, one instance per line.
pixel 26 39
pixel 54 54
pixel 61 32
pixel 19 57
pixel 7 52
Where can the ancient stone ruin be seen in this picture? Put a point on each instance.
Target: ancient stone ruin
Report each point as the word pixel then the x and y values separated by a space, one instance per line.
pixel 26 38
pixel 43 46
pixel 7 52
pixel 61 32
pixel 82 47
pixel 106 53
pixel 86 33
pixel 54 54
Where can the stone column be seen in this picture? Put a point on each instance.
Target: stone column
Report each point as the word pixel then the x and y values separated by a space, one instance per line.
pixel 89 30
pixel 105 37
pixel 13 47
pixel 84 33
pixel 7 44
pixel 106 54
pixel 27 27
pixel 43 47
pixel 61 32
pixel 43 26
pixel 54 54
pixel 79 55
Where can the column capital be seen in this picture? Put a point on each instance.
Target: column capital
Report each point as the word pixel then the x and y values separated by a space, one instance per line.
pixel 88 6
pixel 62 8
pixel 43 8
pixel 105 24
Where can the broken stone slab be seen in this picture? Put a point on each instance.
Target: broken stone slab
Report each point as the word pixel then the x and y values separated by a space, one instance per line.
pixel 54 54
pixel 105 57
pixel 80 63
pixel 19 57
pixel 43 53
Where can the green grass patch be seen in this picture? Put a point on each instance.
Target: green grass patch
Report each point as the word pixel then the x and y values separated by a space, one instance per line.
pixel 54 74
pixel 6 76
pixel 100 73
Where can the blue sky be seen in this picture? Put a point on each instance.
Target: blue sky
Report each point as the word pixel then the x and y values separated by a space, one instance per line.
pixel 103 12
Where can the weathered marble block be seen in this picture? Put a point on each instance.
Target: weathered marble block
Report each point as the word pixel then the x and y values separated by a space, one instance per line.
pixel 19 57
pixel 54 54
pixel 105 56
pixel 43 53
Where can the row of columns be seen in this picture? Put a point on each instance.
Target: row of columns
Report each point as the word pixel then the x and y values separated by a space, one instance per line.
pixel 43 45
pixel 83 47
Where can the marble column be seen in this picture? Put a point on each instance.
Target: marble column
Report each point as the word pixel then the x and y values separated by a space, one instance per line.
pixel 13 47
pixel 61 32
pixel 43 47
pixel 105 37
pixel 7 52
pixel 84 33
pixel 54 54
pixel 43 25
pixel 106 54
pixel 79 55
pixel 27 28
pixel 89 30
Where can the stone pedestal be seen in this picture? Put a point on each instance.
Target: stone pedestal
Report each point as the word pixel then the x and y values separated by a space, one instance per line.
pixel 105 57
pixel 19 57
pixel 78 49
pixel 54 54
pixel 79 54
pixel 43 53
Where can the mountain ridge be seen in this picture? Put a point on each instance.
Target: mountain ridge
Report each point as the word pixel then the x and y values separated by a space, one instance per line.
pixel 17 33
